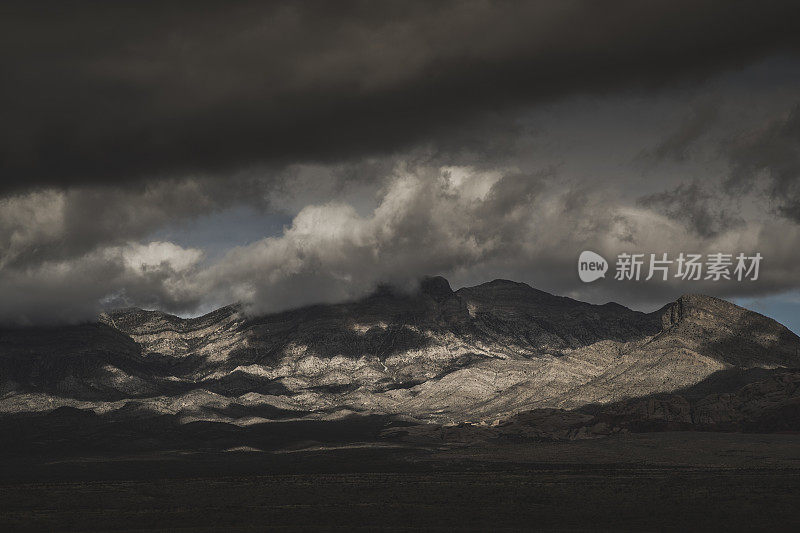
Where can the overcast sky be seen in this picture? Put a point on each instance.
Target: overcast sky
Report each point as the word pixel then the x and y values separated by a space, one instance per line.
pixel 184 157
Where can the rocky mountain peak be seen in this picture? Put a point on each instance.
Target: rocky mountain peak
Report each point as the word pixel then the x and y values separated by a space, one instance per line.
pixel 435 286
pixel 731 333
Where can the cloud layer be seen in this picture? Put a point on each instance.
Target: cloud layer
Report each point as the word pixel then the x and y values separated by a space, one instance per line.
pixel 103 93
pixel 461 222
pixel 335 148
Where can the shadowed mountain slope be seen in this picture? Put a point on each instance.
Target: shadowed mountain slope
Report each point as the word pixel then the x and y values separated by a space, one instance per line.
pixel 522 315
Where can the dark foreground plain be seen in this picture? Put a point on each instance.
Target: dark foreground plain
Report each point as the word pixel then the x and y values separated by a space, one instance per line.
pixel 675 481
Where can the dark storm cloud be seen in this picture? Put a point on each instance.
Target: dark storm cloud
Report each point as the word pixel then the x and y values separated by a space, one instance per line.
pixel 693 206
pixel 771 153
pixel 105 91
pixel 677 145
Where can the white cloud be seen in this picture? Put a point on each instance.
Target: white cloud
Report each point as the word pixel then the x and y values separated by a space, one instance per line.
pixel 144 257
pixel 156 274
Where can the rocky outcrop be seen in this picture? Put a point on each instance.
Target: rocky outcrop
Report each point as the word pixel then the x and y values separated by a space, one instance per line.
pixel 527 318
pixel 729 333
pixel 765 405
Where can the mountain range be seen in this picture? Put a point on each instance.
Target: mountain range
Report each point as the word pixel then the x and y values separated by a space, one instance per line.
pixel 501 359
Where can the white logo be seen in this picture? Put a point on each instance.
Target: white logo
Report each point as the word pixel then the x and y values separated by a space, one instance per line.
pixel 591 266
pixel 691 267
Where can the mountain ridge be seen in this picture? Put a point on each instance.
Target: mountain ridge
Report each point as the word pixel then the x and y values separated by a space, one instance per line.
pixel 477 354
